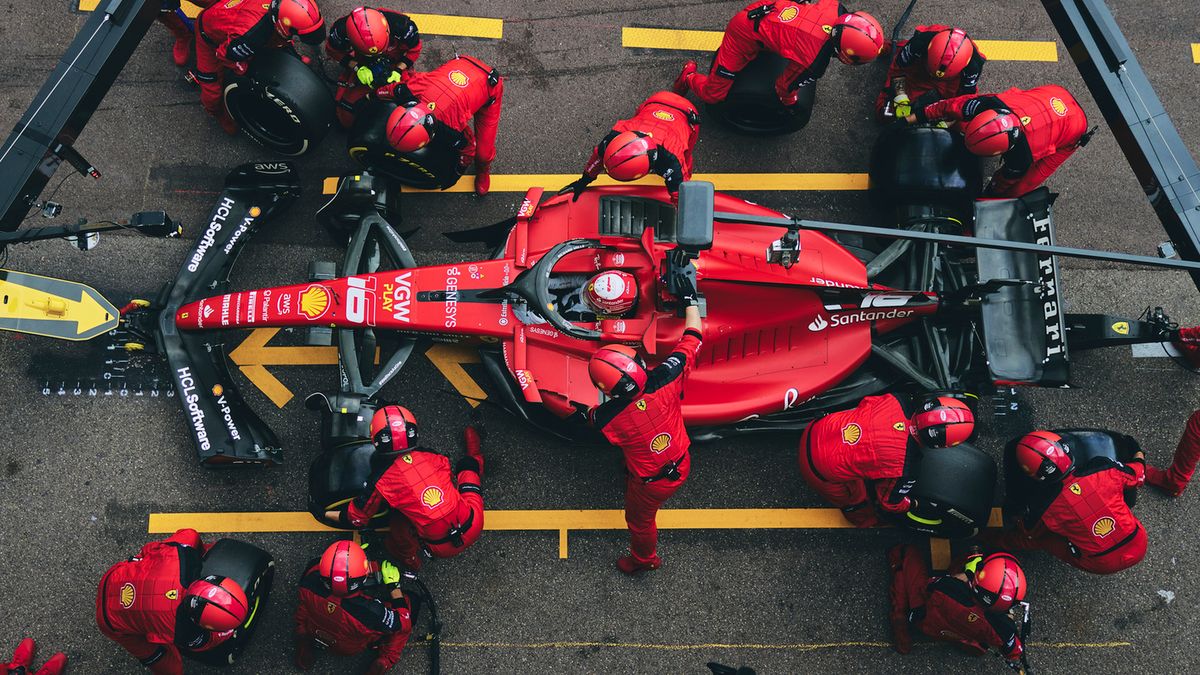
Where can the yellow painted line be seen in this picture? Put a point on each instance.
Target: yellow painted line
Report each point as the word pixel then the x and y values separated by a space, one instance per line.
pixel 449 360
pixel 1196 52
pixel 253 355
pixel 708 646
pixel 428 24
pixel 709 40
pixel 520 182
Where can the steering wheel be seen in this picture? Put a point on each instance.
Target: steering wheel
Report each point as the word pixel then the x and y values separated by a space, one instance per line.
pixel 533 286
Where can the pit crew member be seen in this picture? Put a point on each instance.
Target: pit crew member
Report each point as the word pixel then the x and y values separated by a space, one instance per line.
pixel 22 661
pixel 880 441
pixel 806 34
pixel 230 34
pixel 1034 130
pixel 171 15
pixel 950 607
pixel 336 614
pixel 937 62
pixel 1078 514
pixel 432 508
pixel 374 47
pixel 659 138
pixel 440 104
pixel 156 603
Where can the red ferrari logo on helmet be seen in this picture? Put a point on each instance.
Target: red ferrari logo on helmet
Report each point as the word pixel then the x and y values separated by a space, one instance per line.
pixel 459 79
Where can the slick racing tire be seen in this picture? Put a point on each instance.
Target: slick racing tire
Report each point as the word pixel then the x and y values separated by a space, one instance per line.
pixel 752 106
pixel 433 167
pixel 253 569
pixel 281 103
pixel 953 492
pixel 923 166
pixel 339 475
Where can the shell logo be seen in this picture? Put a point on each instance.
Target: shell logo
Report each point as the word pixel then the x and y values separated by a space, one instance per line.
pixel 663 115
pixel 431 497
pixel 314 302
pixel 1104 526
pixel 660 442
pixel 851 433
pixel 127 595
pixel 788 14
pixel 459 79
pixel 1059 108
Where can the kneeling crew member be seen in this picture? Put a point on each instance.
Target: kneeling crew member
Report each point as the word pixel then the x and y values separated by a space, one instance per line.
pixel 880 441
pixel 937 62
pixel 432 508
pixel 374 47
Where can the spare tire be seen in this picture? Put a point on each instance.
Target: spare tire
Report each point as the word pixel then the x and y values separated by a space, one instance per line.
pixel 752 106
pixel 433 167
pixel 953 492
pixel 923 166
pixel 339 475
pixel 281 103
pixel 254 570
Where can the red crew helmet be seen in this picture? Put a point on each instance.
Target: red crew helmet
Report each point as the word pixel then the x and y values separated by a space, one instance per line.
pixel 410 129
pixel 859 38
pixel 628 156
pixel 344 567
pixel 617 370
pixel 300 18
pixel 1044 455
pixel 611 293
pixel 393 428
pixel 368 31
pixel 216 603
pixel 949 52
pixel 992 132
pixel 943 422
pixel 999 582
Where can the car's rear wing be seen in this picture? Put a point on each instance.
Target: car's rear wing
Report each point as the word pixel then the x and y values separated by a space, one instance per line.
pixel 226 430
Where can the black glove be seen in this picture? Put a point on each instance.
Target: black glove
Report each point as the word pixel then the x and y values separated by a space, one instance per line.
pixel 577 187
pixel 685 285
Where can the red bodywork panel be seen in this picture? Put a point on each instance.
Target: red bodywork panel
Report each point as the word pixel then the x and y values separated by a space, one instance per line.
pixel 770 340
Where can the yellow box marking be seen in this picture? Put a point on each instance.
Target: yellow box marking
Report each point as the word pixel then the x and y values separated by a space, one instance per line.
pixel 1196 52
pixel 708 40
pixel 520 182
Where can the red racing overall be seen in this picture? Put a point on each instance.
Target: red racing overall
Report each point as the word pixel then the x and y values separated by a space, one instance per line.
pixel 428 508
pixel 945 608
pixel 169 15
pixel 229 35
pixel 649 430
pixel 1176 477
pixel 1084 520
pixel 350 624
pixel 140 603
pixel 797 31
pixel 841 451
pixel 403 49
pixel 672 121
pixel 922 88
pixel 1053 126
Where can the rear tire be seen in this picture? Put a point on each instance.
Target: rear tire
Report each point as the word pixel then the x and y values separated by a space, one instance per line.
pixel 433 167
pixel 281 103
pixel 917 166
pixel 752 106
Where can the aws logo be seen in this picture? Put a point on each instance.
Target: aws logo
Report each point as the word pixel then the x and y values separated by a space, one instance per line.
pixel 663 115
pixel 459 79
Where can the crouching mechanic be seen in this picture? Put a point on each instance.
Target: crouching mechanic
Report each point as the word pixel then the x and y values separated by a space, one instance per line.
pixel 440 104
pixel 374 47
pixel 937 62
pixel 644 418
pixel 432 509
pixel 1033 130
pixel 806 34
pixel 232 33
pixel 171 15
pixel 335 614
pixel 156 603
pixel 879 441
pixel 1078 514
pixel 950 607
pixel 659 138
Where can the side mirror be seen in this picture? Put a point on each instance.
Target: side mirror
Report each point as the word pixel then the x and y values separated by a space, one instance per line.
pixel 694 217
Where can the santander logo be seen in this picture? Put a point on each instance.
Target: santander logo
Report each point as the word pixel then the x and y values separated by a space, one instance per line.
pixel 818 324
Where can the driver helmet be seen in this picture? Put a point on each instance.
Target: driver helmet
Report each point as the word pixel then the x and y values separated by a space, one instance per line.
pixel 368 31
pixel 410 129
pixel 942 422
pixel 1044 455
pixel 629 156
pixel 992 132
pixel 300 18
pixel 949 52
pixel 343 567
pixel 393 429
pixel 216 603
pixel 618 371
pixel 858 38
pixel 998 582
pixel 611 293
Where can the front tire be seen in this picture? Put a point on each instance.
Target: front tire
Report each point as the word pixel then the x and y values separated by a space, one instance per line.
pixel 433 167
pixel 281 103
